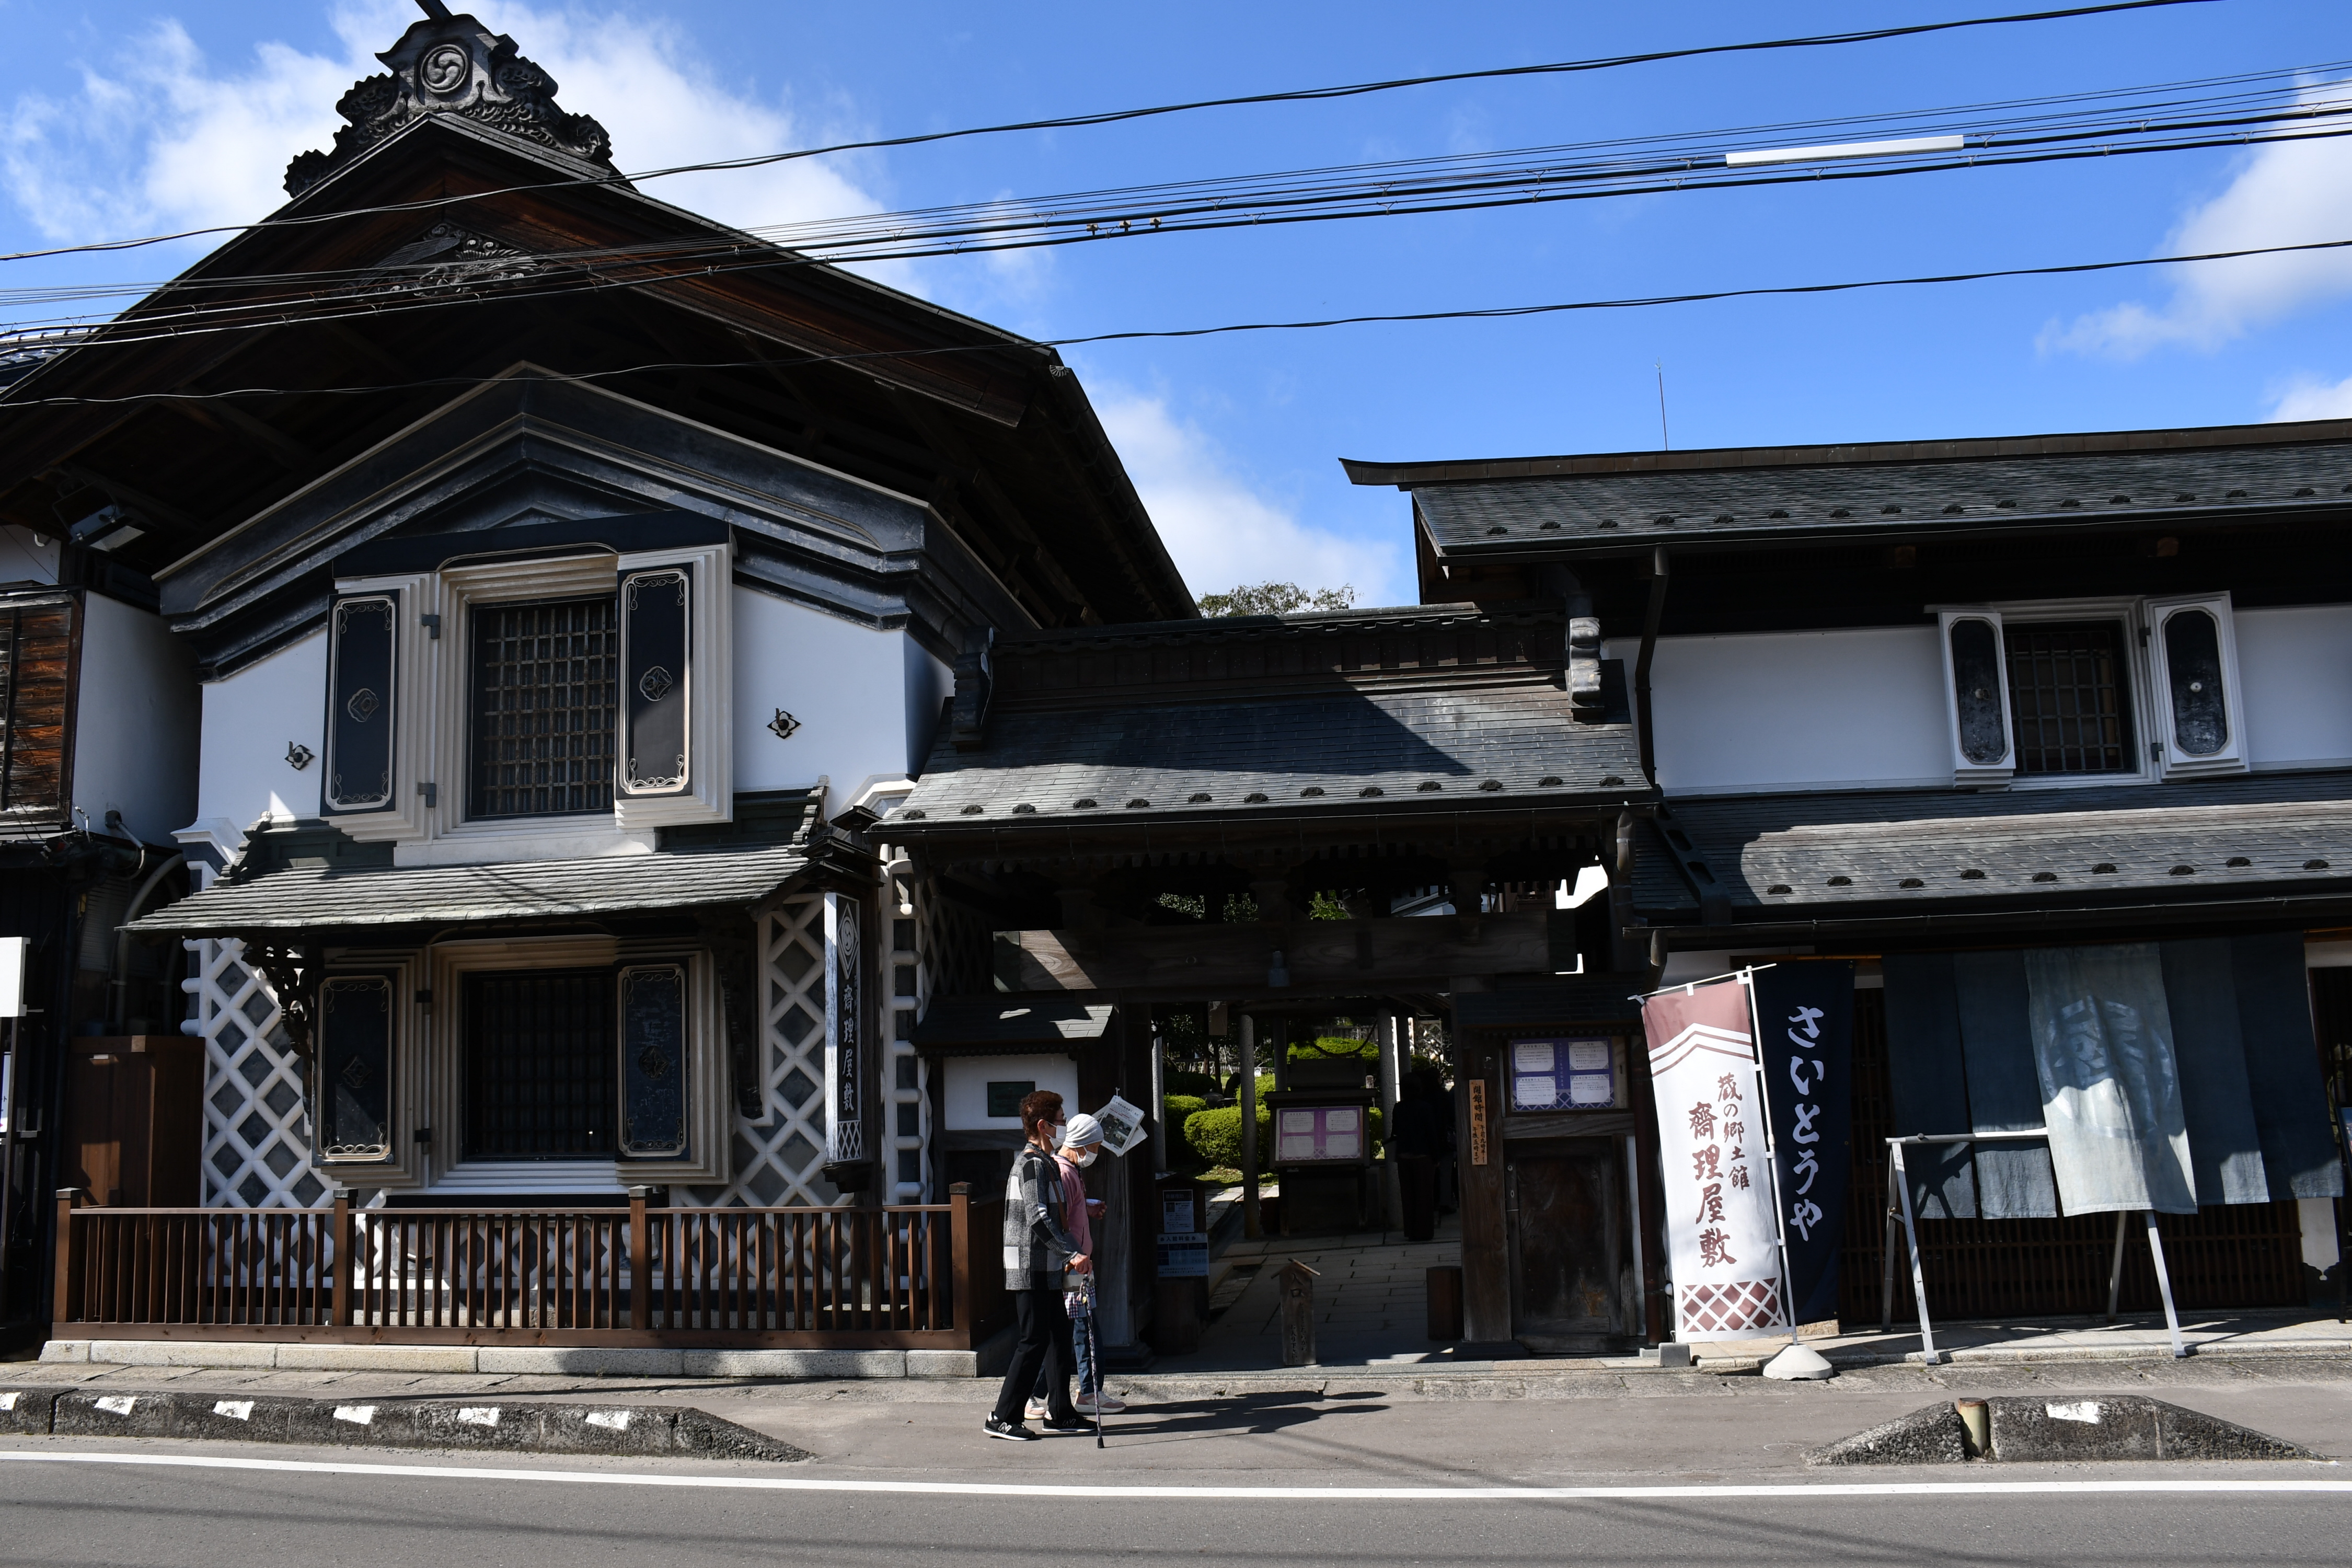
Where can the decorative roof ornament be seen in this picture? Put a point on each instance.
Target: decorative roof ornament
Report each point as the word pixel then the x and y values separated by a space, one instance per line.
pixel 452 64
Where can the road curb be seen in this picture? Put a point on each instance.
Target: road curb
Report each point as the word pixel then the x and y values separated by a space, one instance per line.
pixel 2109 1427
pixel 640 1431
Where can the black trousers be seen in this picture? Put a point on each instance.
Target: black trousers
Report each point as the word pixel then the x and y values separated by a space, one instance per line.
pixel 1042 1343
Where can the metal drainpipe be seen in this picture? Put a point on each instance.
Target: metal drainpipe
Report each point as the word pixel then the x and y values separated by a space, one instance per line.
pixel 118 983
pixel 1649 619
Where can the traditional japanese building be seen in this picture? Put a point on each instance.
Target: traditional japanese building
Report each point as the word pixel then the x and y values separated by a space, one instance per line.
pixel 572 584
pixel 1949 708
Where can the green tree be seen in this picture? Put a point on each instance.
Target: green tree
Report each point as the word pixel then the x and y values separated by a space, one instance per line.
pixel 1276 599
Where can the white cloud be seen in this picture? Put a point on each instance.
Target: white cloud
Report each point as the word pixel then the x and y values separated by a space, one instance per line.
pixel 2288 193
pixel 159 136
pixel 2308 397
pixel 1222 533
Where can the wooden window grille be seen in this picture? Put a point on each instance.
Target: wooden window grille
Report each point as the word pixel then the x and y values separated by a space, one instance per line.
pixel 539 1065
pixel 35 677
pixel 2067 698
pixel 545 680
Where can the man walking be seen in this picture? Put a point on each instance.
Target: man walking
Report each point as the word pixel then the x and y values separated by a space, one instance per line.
pixel 1038 1249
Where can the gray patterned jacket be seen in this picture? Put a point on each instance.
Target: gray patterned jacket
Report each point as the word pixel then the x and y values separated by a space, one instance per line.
pixel 1035 1242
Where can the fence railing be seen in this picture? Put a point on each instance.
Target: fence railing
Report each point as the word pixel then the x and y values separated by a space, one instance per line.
pixel 909 1276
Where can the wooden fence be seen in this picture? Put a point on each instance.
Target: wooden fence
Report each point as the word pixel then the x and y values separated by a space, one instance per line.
pixel 920 1276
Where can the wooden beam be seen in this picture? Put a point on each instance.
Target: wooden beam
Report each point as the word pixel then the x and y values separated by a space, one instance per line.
pixel 1319 956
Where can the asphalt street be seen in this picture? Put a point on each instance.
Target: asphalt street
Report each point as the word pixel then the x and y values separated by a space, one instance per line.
pixel 1703 1471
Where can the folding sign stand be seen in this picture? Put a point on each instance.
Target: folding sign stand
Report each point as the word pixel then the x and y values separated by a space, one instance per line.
pixel 1898 1206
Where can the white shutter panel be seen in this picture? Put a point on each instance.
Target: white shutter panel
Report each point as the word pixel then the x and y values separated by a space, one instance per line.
pixel 1976 698
pixel 2193 656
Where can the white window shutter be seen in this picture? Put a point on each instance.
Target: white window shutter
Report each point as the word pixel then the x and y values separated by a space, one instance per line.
pixel 1976 698
pixel 2201 725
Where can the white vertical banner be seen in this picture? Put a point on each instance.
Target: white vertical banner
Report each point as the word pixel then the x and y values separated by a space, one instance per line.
pixel 844 1029
pixel 1721 1237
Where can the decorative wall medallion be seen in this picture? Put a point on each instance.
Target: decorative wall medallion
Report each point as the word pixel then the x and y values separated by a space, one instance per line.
pixel 783 724
pixel 363 706
pixel 655 683
pixel 444 69
pixel 298 755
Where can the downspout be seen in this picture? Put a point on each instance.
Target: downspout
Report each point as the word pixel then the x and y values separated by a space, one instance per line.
pixel 1649 619
pixel 117 982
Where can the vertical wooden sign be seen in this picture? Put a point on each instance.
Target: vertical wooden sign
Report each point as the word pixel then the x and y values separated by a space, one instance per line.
pixel 1477 1121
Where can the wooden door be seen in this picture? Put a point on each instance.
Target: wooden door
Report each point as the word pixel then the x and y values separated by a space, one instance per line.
pixel 1567 1247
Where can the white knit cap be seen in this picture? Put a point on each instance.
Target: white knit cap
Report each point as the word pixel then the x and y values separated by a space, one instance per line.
pixel 1080 1131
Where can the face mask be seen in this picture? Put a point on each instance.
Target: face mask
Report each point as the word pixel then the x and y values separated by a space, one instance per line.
pixel 1053 1134
pixel 1088 1158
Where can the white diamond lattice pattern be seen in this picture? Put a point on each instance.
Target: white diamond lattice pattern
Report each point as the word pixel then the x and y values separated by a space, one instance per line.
pixel 780 1161
pixel 256 1132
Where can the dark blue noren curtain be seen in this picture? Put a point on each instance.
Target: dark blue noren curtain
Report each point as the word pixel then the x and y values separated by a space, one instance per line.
pixel 1804 1011
pixel 2014 1179
pixel 2201 991
pixel 2290 1102
pixel 1928 1081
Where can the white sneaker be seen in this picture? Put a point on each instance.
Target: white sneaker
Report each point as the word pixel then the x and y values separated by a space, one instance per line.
pixel 1035 1410
pixel 1103 1403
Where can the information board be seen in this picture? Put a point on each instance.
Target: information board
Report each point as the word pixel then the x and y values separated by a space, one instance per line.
pixel 1306 1133
pixel 1563 1075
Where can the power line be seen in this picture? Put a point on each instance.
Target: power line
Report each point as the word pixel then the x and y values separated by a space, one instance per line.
pixel 1110 117
pixel 525 278
pixel 2138 115
pixel 1487 313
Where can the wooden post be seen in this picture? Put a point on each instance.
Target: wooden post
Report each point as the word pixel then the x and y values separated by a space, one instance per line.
pixel 641 1278
pixel 1245 1079
pixel 966 1321
pixel 1486 1246
pixel 1392 1091
pixel 340 1308
pixel 62 1255
pixel 1297 1314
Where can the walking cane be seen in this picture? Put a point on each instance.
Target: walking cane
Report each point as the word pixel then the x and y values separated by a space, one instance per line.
pixel 1094 1356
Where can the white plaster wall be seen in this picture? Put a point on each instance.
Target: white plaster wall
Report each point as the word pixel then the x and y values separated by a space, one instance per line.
pixel 2294 670
pixel 848 685
pixel 250 718
pixel 967 1078
pixel 1796 710
pixel 137 722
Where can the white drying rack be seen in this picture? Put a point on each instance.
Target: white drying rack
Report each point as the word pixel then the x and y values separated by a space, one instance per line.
pixel 1898 1206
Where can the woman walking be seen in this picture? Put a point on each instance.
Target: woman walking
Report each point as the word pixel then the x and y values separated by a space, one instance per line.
pixel 1038 1251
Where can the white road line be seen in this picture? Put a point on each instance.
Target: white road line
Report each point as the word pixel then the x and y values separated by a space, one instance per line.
pixel 2186 1484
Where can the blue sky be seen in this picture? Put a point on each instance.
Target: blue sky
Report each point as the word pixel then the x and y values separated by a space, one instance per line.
pixel 124 117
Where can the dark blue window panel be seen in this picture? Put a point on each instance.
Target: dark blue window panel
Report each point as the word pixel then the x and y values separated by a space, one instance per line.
pixel 656 607
pixel 360 703
pixel 355 1067
pixel 653 1059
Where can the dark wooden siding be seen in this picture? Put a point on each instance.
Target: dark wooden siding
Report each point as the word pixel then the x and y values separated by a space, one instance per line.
pixel 36 677
pixel 2240 1255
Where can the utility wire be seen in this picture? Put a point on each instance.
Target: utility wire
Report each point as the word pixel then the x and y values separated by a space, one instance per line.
pixel 1488 314
pixel 535 277
pixel 1110 117
pixel 2254 100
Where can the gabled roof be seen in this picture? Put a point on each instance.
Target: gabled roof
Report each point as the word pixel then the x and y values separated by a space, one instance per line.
pixel 1374 714
pixel 1609 503
pixel 989 429
pixel 1892 854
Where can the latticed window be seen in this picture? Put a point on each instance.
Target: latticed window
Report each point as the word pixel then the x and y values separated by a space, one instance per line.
pixel 539 1065
pixel 545 680
pixel 2067 698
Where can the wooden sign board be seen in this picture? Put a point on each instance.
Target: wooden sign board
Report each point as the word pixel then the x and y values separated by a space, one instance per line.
pixel 1477 1121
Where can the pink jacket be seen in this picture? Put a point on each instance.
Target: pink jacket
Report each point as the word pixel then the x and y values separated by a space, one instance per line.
pixel 1073 1204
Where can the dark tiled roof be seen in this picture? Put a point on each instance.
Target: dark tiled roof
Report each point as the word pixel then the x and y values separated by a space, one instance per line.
pixel 970 1026
pixel 1612 510
pixel 318 898
pixel 1443 706
pixel 1372 750
pixel 1864 854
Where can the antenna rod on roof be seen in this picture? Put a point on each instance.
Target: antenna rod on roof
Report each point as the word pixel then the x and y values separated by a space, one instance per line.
pixel 434 9
pixel 1664 444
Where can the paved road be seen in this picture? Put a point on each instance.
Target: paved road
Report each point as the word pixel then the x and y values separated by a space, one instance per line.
pixel 177 1504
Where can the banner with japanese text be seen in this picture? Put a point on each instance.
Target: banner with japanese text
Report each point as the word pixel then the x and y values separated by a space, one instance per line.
pixel 1719 1230
pixel 1805 1009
